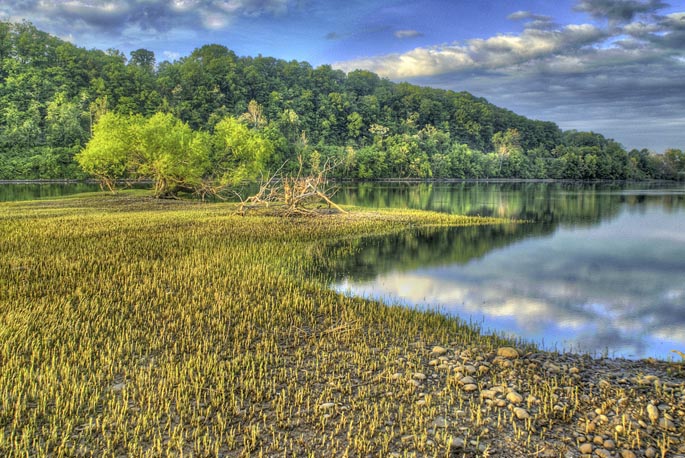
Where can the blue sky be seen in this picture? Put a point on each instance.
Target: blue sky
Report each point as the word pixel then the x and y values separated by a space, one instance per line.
pixel 611 66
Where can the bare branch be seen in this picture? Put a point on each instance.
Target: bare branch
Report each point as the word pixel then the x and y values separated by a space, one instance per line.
pixel 294 194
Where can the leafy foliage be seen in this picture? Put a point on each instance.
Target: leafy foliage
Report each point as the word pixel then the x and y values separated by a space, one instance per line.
pixel 107 154
pixel 53 93
pixel 169 152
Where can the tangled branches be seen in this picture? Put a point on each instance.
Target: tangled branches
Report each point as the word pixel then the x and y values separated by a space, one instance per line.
pixel 291 195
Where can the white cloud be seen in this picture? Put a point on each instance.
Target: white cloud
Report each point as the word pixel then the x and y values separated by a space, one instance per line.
pixel 625 79
pixel 495 52
pixel 538 19
pixel 114 16
pixel 171 55
pixel 407 34
pixel 619 10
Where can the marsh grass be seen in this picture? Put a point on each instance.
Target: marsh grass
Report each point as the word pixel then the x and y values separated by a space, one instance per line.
pixel 138 327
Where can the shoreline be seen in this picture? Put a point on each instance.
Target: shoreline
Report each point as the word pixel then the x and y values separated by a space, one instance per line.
pixel 379 180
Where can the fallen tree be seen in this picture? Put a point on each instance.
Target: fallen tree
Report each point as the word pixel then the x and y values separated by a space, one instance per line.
pixel 290 195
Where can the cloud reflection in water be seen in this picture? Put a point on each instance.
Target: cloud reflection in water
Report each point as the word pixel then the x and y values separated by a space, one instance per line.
pixel 616 288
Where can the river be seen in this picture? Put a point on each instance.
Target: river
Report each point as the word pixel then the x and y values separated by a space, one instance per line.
pixel 599 268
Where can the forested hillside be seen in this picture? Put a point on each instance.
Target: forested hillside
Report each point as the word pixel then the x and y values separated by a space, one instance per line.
pixel 52 94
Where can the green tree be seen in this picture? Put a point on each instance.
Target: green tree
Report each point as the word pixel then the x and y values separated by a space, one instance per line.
pixel 167 151
pixel 240 154
pixel 107 154
pixel 64 122
pixel 506 143
pixel 354 125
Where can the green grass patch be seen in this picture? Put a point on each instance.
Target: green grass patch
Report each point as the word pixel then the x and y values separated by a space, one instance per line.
pixel 139 327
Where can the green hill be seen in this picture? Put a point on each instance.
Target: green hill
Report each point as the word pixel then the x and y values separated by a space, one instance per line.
pixel 51 92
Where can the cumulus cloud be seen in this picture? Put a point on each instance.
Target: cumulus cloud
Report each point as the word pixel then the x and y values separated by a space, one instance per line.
pixel 619 10
pixel 533 21
pixel 494 52
pixel 117 16
pixel 407 34
pixel 625 78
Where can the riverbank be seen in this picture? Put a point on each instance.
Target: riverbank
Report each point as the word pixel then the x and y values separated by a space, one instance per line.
pixel 139 327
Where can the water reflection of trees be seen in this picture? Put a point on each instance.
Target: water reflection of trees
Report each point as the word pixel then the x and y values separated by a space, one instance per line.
pixel 567 203
pixel 546 206
pixel 365 258
pixel 30 191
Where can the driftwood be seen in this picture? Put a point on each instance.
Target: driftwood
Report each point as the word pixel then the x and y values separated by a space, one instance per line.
pixel 293 195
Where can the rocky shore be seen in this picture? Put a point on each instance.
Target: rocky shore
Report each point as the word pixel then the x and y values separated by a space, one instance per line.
pixel 512 403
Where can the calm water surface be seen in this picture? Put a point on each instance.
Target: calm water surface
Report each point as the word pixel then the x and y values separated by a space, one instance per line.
pixel 31 191
pixel 600 269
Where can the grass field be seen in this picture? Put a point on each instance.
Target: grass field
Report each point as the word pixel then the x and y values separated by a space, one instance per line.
pixel 136 327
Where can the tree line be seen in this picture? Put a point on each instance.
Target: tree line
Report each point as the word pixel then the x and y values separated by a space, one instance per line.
pixel 56 97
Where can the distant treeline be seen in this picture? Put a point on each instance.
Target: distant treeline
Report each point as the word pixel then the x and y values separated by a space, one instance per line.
pixel 52 93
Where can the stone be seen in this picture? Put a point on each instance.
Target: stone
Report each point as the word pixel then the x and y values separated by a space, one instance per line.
pixel 551 367
pixel 585 448
pixel 438 350
pixel 419 376
pixel 650 452
pixel 467 380
pixel 609 444
pixel 627 454
pixel 514 397
pixel 603 453
pixel 470 387
pixel 469 369
pixel 440 422
pixel 547 452
pixel 666 424
pixel 455 442
pixel 502 362
pixel 327 405
pixel 521 414
pixel 488 394
pixel 508 352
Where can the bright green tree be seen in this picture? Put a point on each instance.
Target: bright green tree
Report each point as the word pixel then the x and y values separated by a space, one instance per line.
pixel 170 153
pixel 107 154
pixel 240 153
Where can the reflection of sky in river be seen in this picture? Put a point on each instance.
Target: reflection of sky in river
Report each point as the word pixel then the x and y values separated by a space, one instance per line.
pixel 618 287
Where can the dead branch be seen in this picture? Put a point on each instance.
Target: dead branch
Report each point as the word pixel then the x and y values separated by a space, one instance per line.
pixel 294 194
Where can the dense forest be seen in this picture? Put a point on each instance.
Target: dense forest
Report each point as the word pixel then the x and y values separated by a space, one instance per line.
pixel 53 96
